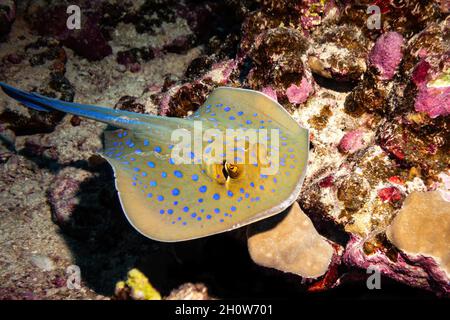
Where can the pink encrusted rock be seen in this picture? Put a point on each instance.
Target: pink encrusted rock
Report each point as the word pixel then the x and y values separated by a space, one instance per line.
pixel 433 84
pixel 352 141
pixel 417 271
pixel 270 92
pixel 433 101
pixel 299 94
pixel 387 54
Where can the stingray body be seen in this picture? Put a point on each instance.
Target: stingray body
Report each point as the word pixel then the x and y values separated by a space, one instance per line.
pixel 171 200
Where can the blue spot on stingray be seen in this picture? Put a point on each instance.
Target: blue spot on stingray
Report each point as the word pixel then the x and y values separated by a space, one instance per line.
pixel 208 216
pixel 202 189
pixel 226 109
pixel 252 184
pixel 217 210
pixel 138 151
pixel 125 133
pixel 176 192
pixel 170 211
pixel 193 215
pixel 171 161
pixel 200 200
pixel 230 194
pixel 241 190
pixel 216 196
pixel 191 155
pixel 144 174
pixel 233 208
pixel 175 203
pixel 199 219
pixel 261 187
pixel 149 195
pixel 240 113
pixel 145 142
pixel 161 211
pixel 247 195
pixel 208 150
pixel 160 198
pixel 137 169
pixel 239 199
pixel 164 174
pixel 151 164
pixel 153 183
pixel 248 122
pixel 232 118
pixel 178 174
pixel 275 180
pixel 184 223
pixel 255 114
pixel 157 149
pixel 221 220
pixel 186 209
pixel 195 177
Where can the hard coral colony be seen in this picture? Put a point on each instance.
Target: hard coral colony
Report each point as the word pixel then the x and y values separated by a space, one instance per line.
pixel 362 116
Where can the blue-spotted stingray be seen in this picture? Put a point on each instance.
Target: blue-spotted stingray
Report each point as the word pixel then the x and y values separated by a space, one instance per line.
pixel 168 201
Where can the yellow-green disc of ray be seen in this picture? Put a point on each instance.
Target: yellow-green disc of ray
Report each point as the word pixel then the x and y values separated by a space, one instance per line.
pixel 172 202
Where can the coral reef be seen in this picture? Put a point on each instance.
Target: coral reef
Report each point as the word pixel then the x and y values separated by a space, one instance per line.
pixel 376 103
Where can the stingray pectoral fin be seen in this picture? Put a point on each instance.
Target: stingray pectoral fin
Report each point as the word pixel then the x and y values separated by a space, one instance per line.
pixel 172 202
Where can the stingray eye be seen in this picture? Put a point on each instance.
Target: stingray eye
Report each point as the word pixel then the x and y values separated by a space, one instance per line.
pixel 232 170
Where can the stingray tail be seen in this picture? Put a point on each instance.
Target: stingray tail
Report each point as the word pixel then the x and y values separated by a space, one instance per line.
pixel 117 118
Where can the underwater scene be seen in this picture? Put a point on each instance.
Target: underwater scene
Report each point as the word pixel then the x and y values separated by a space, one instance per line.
pixel 224 150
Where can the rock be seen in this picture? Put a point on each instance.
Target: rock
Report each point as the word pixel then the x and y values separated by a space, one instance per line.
pixel 386 54
pixel 277 56
pixel 189 291
pixel 339 52
pixel 422 228
pixel 42 262
pixel 290 243
pixel 7 17
pixel 433 97
pixel 136 287
pixel 88 41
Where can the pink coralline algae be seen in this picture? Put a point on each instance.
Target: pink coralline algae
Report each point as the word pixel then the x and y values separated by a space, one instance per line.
pixel 387 54
pixel 270 92
pixel 351 142
pixel 299 94
pixel 433 97
pixel 433 101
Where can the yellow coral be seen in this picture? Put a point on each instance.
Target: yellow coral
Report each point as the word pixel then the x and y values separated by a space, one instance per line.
pixel 138 287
